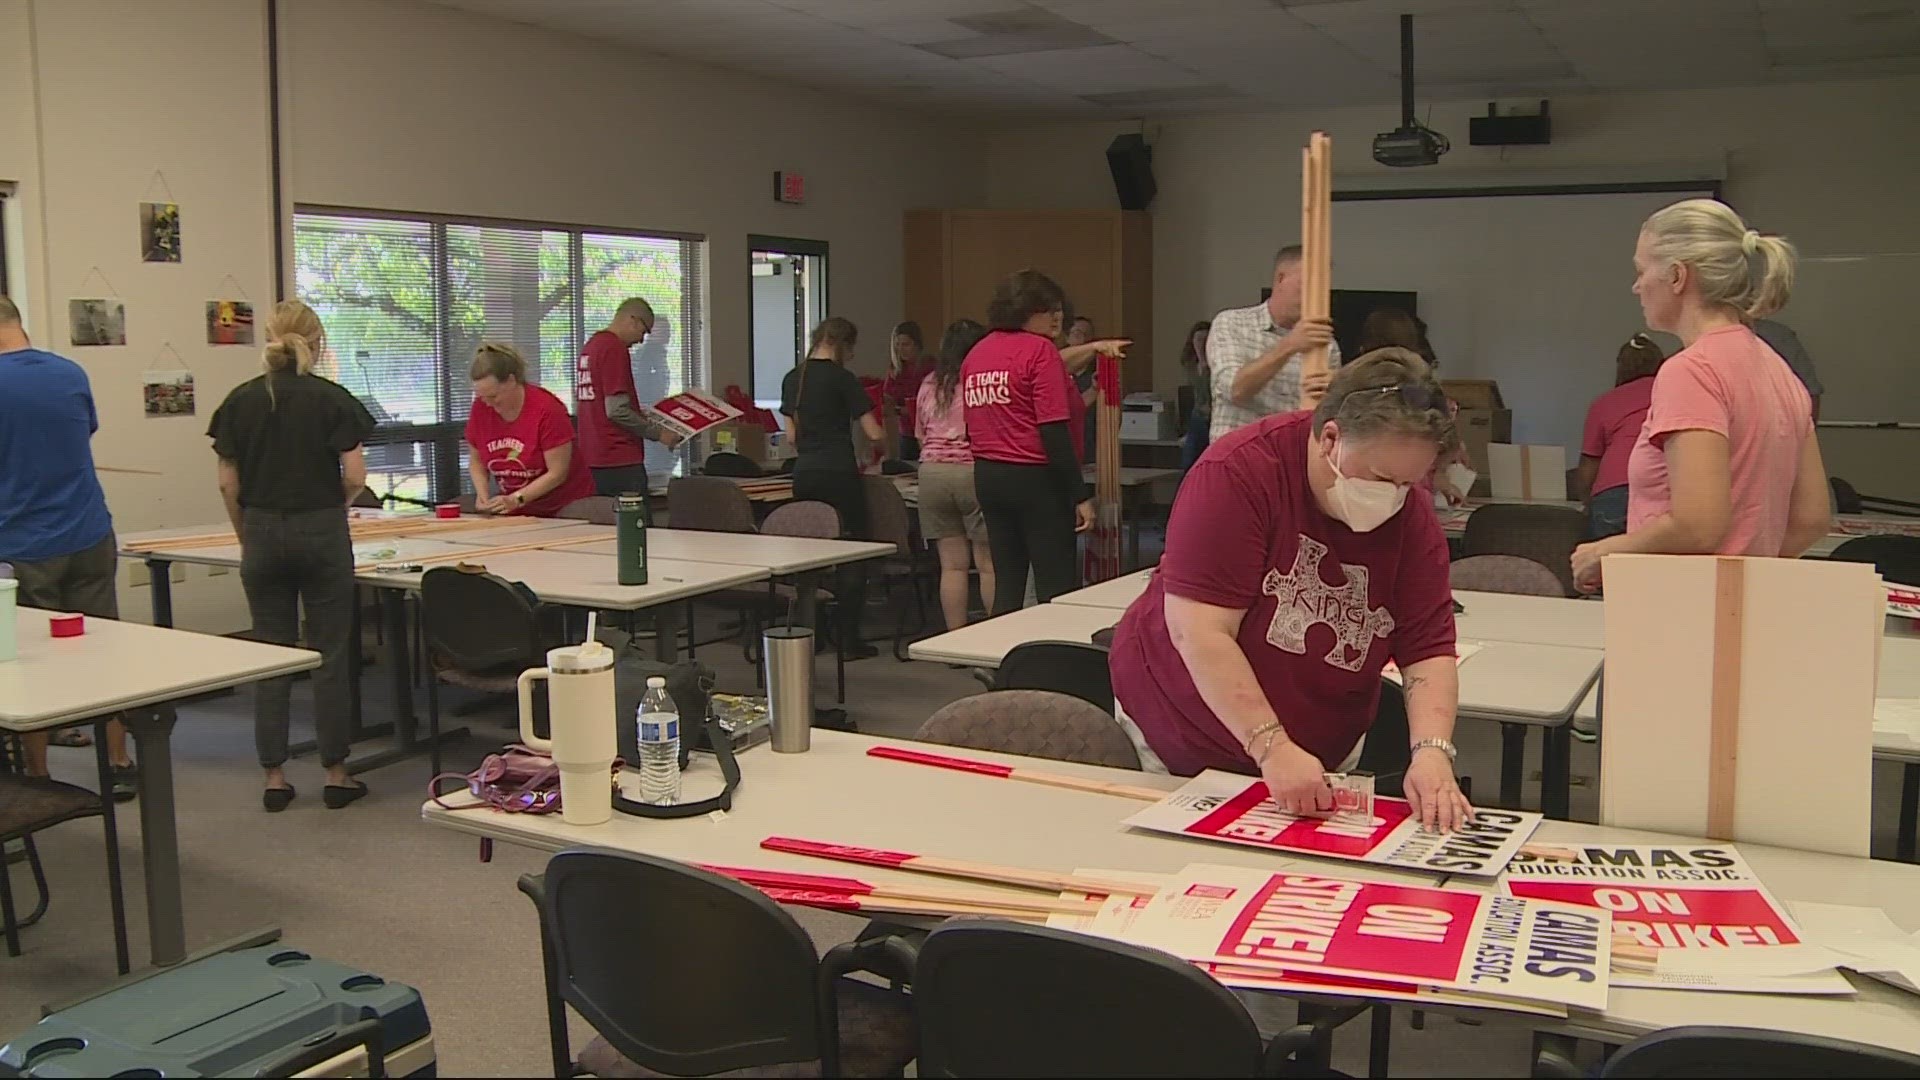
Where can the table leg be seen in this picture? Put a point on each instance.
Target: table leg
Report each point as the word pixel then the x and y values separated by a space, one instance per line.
pixel 806 601
pixel 1556 772
pixel 666 632
pixel 406 726
pixel 1379 1040
pixel 109 820
pixel 160 582
pixel 1909 808
pixel 160 840
pixel 1513 763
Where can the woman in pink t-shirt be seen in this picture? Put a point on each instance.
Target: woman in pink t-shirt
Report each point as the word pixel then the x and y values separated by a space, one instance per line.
pixel 949 508
pixel 1727 462
pixel 1614 421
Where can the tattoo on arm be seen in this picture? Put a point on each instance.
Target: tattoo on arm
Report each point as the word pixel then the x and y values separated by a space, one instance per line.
pixel 1410 682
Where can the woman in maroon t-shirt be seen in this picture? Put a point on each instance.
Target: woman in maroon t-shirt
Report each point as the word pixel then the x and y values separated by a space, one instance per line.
pixel 1020 407
pixel 521 438
pixel 1295 568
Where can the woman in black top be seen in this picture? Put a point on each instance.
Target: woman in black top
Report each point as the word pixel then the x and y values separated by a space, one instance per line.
pixel 822 401
pixel 289 444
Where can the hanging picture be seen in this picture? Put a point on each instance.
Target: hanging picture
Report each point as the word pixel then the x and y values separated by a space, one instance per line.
pixel 229 322
pixel 160 232
pixel 98 322
pixel 168 393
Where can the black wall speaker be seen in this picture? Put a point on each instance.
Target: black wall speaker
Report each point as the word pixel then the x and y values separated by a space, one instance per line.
pixel 1131 161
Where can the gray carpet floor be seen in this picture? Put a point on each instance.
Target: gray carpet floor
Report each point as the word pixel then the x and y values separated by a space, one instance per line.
pixel 371 887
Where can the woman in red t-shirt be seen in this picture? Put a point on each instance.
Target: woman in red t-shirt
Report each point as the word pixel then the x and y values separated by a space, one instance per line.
pixel 907 368
pixel 1613 423
pixel 1021 413
pixel 1295 568
pixel 522 440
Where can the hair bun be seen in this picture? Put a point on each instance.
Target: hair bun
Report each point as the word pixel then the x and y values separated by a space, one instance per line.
pixel 1750 241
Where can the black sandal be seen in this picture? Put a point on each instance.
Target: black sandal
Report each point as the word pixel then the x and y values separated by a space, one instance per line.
pixel 276 799
pixel 339 795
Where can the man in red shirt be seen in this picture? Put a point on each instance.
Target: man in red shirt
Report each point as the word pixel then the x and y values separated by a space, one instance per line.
pixel 1295 567
pixel 613 431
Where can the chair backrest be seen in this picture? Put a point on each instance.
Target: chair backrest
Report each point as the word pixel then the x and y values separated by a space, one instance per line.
pixel 1386 753
pixel 595 508
pixel 728 463
pixel 1735 1051
pixel 1033 723
pixel 708 504
pixel 684 972
pixel 479 621
pixel 1065 667
pixel 887 519
pixel 1000 999
pixel 808 517
pixel 1545 534
pixel 1505 574
pixel 1846 499
pixel 1894 557
pixel 1104 638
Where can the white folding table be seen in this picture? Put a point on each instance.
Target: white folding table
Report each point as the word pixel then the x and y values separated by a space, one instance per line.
pixel 987 642
pixel 117 667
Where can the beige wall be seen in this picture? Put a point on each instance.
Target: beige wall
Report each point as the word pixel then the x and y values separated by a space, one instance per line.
pixel 1829 164
pixel 124 91
pixel 404 106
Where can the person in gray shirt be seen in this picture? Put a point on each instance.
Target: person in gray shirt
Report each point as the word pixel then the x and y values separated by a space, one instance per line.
pixel 1781 339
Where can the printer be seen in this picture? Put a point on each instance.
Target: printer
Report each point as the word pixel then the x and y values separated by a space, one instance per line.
pixel 1146 418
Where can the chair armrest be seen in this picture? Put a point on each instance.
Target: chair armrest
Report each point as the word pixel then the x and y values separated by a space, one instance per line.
pixel 1553 1056
pixel 890 957
pixel 535 886
pixel 1315 1037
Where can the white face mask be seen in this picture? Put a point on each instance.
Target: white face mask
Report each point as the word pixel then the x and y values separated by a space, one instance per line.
pixel 1364 505
pixel 1461 477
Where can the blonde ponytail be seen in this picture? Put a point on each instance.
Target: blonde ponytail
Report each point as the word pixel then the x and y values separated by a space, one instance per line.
pixel 294 337
pixel 1732 265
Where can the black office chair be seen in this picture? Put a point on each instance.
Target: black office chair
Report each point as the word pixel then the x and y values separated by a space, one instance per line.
pixel 1002 999
pixel 1894 557
pixel 1065 667
pixel 481 632
pixel 1731 1052
pixel 728 463
pixel 1846 498
pixel 1386 753
pixel 29 804
pixel 686 973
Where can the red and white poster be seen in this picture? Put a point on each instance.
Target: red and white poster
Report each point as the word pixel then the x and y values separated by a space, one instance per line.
pixel 1235 809
pixel 691 412
pixel 1315 927
pixel 1696 898
pixel 1119 913
pixel 1903 600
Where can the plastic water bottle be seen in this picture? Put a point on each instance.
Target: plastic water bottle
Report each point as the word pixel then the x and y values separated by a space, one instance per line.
pixel 658 726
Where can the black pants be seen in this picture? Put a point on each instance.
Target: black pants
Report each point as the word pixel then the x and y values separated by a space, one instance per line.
pixel 618 480
pixel 291 559
pixel 1029 524
pixel 847 493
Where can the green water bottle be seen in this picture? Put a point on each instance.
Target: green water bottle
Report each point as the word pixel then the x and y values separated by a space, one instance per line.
pixel 630 518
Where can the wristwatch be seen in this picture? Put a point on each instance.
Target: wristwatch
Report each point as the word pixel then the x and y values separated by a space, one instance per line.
pixel 1445 746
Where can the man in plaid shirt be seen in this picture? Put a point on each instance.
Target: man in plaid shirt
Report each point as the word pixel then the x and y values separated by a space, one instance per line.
pixel 1255 353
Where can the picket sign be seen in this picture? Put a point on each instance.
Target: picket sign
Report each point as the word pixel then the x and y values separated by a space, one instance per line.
pixel 1527 472
pixel 1732 681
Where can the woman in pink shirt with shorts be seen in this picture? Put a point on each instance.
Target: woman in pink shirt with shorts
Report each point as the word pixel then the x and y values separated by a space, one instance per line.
pixel 1727 462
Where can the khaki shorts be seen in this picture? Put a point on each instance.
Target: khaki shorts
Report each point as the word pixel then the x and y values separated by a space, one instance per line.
pixel 947 503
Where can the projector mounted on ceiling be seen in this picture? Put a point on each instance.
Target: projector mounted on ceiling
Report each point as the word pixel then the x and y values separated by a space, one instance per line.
pixel 1412 143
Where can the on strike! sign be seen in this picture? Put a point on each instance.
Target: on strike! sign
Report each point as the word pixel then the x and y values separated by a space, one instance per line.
pixel 691 413
pixel 1694 897
pixel 1233 809
pixel 1535 950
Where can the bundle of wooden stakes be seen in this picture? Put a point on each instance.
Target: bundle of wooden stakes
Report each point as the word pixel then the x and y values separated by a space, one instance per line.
pixel 1316 243
pixel 1103 546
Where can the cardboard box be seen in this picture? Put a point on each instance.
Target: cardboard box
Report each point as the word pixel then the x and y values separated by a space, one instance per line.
pixel 1528 472
pixel 1483 419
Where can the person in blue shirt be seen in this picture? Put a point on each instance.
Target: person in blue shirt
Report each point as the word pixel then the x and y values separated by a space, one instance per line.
pixel 55 530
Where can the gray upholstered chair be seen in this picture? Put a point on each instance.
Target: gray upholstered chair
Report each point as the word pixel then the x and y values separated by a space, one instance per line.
pixel 709 504
pixel 1033 723
pixel 889 522
pixel 1545 534
pixel 1505 574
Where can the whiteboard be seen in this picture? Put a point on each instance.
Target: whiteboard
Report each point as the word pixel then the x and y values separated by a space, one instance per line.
pixel 1534 291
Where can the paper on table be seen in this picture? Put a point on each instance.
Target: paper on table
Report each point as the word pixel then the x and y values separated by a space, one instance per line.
pixel 1461 650
pixel 1773 961
pixel 1865 939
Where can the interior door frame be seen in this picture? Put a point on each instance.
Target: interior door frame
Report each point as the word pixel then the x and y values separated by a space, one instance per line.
pixel 783 245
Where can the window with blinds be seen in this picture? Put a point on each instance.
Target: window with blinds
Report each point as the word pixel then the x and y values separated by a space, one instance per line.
pixel 407 297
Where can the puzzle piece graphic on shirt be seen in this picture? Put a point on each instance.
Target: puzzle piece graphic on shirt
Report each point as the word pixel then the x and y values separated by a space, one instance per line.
pixel 1303 598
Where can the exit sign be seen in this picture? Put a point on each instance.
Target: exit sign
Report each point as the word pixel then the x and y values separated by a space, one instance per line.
pixel 789 187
